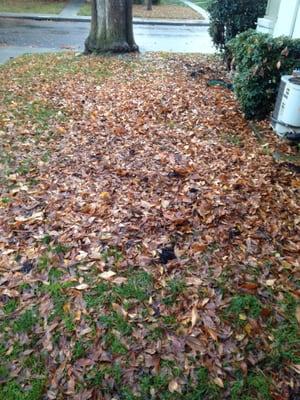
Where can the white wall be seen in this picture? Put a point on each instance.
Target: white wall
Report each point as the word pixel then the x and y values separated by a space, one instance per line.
pixel 272 9
pixel 296 33
pixel 282 18
pixel 287 22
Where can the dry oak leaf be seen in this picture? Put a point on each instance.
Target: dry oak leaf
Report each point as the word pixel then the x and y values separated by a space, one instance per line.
pixel 193 281
pixel 82 286
pixel 195 316
pixel 107 275
pixel 119 309
pixel 212 333
pixel 174 386
pixel 298 314
pixel 218 381
pixel 119 280
pixel 296 368
pixel 38 216
pixel 194 343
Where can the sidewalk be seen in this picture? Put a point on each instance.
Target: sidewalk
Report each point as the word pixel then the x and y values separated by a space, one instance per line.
pixel 72 8
pixel 137 21
pixel 198 9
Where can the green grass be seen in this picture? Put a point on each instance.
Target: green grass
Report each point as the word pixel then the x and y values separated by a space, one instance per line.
pixel 232 139
pixel 254 387
pixel 114 345
pixel 286 345
pixel 80 350
pixel 115 321
pixel 203 389
pixel 32 6
pixel 202 3
pixel 114 253
pixel 25 322
pixel 10 306
pixel 39 112
pixel 244 305
pixel 85 10
pixel 98 297
pixel 14 391
pixel 175 288
pixel 138 287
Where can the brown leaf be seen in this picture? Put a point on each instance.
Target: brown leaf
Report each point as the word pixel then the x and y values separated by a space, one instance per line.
pixel 194 281
pixel 195 344
pixel 107 275
pixel 194 316
pixel 82 286
pixel 298 314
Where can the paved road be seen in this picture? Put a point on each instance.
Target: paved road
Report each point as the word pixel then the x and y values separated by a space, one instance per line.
pixel 19 36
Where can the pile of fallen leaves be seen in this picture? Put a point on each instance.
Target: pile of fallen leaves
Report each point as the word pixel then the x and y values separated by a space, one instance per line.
pixel 149 241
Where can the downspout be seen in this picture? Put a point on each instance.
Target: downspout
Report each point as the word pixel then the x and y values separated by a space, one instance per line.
pixel 293 25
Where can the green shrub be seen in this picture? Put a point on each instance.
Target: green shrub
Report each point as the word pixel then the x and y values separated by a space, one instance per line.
pixel 228 18
pixel 261 61
pixel 154 2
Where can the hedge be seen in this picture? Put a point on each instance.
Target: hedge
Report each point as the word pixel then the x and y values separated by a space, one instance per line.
pixel 154 2
pixel 230 17
pixel 260 61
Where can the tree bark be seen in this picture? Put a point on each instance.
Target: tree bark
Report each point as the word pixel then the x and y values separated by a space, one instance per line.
pixel 149 5
pixel 111 27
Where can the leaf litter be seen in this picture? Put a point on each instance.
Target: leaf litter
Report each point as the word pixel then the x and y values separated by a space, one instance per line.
pixel 149 243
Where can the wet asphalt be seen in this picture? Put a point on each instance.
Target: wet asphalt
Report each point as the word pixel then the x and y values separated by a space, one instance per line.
pixel 25 36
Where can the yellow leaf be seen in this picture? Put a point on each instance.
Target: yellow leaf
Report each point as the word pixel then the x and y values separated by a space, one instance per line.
pixel 66 308
pixel 104 196
pixel 218 381
pixel 248 329
pixel 61 129
pixel 77 315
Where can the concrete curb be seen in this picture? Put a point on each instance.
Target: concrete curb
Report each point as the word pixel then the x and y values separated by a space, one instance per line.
pixel 136 21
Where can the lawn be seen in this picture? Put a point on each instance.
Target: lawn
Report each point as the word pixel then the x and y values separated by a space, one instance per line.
pixel 202 3
pixel 32 6
pixel 168 9
pixel 149 240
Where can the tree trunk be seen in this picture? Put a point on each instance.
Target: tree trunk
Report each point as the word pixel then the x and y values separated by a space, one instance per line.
pixel 149 5
pixel 111 27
